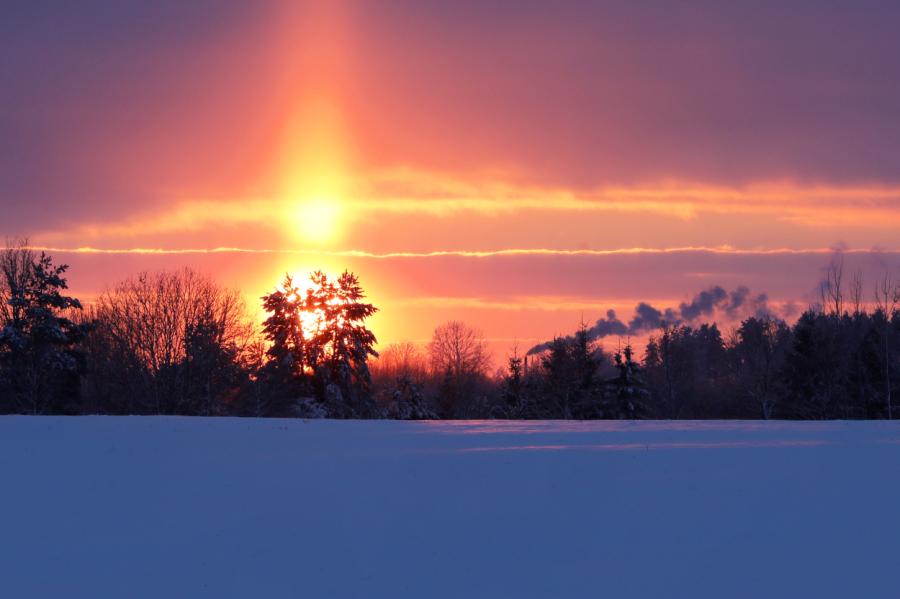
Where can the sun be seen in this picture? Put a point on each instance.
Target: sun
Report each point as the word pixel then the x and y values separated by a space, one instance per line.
pixel 311 321
pixel 317 220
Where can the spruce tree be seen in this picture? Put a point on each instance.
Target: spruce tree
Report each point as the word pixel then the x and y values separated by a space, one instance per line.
pixel 319 341
pixel 39 362
pixel 626 395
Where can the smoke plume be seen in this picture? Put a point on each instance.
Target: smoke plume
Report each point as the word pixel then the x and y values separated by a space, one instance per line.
pixel 733 304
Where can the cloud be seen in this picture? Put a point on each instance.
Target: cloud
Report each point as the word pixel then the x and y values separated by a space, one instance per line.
pixel 680 121
pixel 737 297
pixel 430 199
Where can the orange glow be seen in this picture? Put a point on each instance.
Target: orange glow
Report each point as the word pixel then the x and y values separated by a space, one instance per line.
pixel 454 175
pixel 314 163
pixel 317 220
pixel 315 178
pixel 322 203
pixel 310 320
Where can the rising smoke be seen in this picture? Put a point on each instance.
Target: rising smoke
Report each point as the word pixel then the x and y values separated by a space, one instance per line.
pixel 734 304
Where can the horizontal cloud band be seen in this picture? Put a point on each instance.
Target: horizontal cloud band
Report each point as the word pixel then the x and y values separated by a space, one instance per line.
pixel 724 250
pixel 435 195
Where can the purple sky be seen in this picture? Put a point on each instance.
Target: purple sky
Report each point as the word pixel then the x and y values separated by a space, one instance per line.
pixel 464 126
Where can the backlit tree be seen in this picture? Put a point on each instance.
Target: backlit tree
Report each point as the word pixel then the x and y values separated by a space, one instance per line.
pixel 319 341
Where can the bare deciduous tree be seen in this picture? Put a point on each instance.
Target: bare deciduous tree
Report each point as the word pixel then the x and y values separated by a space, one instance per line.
pixel 856 292
pixel 15 271
pixel 832 288
pixel 459 359
pixel 457 348
pixel 887 296
pixel 155 327
pixel 403 359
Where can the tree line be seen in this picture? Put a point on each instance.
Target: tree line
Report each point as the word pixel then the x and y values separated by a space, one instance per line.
pixel 178 343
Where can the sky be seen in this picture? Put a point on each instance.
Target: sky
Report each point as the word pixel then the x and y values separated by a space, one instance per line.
pixel 519 166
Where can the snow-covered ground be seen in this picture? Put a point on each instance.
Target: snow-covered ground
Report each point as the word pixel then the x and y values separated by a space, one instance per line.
pixel 178 507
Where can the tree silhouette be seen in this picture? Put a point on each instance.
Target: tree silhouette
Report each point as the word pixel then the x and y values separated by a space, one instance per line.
pixel 571 367
pixel 167 342
pixel 283 328
pixel 761 346
pixel 459 360
pixel 39 363
pixel 319 341
pixel 626 395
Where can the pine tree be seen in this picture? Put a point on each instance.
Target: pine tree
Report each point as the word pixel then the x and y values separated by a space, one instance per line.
pixel 212 369
pixel 39 363
pixel 760 349
pixel 513 386
pixel 282 328
pixel 408 402
pixel 283 379
pixel 626 395
pixel 319 341
pixel 571 366
pixel 343 344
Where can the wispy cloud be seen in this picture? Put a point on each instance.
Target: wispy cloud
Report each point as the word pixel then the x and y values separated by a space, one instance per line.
pixel 723 250
pixel 409 191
